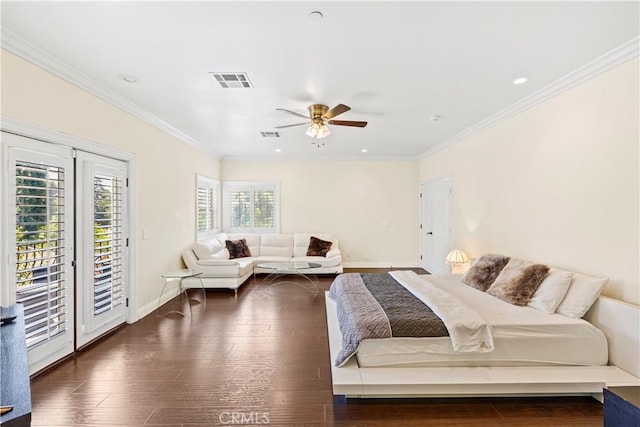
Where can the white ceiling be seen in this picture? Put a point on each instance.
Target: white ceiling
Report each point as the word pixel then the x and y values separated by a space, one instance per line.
pixel 394 63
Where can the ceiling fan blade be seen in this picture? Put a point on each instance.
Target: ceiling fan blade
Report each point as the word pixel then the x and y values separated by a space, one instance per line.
pixel 338 109
pixel 347 123
pixel 292 113
pixel 290 126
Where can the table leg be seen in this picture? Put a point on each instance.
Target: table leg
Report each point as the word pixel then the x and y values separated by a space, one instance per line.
pixel 181 291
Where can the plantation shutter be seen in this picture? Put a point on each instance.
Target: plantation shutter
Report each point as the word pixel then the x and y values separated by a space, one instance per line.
pixel 40 249
pixel 207 207
pixel 108 251
pixel 251 207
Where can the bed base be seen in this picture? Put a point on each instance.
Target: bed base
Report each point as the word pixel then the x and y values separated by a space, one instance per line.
pixel 353 381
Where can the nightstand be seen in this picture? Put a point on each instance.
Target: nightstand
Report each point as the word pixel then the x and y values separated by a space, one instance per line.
pixel 622 406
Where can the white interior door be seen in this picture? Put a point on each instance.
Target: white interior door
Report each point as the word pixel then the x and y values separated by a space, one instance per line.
pixel 435 228
pixel 102 247
pixel 39 230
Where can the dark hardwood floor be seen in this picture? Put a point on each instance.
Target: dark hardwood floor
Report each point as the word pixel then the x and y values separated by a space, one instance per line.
pixel 261 358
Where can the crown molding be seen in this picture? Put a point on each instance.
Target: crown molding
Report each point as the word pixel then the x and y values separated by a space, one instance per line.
pixel 301 158
pixel 11 42
pixel 618 56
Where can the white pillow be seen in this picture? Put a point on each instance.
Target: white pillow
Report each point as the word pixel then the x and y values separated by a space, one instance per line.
pixel 582 293
pixel 551 291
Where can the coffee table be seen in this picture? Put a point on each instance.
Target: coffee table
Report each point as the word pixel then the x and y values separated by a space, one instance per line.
pixel 285 272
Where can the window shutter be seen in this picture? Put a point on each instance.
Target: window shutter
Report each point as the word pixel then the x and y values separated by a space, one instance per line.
pixel 240 207
pixel 263 208
pixel 207 206
pixel 108 250
pixel 251 207
pixel 40 247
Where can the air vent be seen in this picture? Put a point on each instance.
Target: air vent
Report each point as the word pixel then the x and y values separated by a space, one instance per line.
pixel 233 80
pixel 270 134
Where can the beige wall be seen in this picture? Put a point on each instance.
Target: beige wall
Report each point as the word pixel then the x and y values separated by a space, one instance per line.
pixel 556 184
pixel 370 206
pixel 166 167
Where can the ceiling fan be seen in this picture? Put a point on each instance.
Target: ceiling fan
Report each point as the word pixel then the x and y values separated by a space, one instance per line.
pixel 319 116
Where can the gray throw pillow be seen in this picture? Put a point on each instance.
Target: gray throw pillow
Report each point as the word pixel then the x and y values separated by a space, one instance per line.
pixel 518 281
pixel 482 274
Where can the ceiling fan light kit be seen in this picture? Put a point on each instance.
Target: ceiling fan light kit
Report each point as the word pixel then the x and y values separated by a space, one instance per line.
pixel 318 130
pixel 319 117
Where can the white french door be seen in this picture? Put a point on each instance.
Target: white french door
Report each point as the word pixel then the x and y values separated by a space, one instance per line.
pixel 66 244
pixel 435 230
pixel 40 239
pixel 102 245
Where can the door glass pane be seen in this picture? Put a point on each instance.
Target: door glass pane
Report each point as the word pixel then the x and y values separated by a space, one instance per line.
pixel 108 277
pixel 40 247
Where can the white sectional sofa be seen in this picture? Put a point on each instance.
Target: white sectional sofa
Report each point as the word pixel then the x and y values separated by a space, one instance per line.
pixel 218 271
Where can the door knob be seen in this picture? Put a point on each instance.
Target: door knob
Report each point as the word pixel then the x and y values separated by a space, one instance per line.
pixel 430 232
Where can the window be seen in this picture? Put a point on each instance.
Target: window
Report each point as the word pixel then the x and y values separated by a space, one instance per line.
pixel 251 207
pixel 207 207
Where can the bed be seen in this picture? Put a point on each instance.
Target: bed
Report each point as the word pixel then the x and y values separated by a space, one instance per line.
pixel 528 352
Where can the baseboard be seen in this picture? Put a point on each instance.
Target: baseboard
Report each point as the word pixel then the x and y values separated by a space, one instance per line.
pixel 150 307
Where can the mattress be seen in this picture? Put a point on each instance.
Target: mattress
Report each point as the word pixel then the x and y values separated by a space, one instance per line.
pixel 523 336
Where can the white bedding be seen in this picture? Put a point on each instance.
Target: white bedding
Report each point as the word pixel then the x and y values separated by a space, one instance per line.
pixel 521 336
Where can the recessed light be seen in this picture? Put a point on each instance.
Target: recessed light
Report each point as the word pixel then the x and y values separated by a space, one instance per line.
pixel 364 150
pixel 128 78
pixel 435 118
pixel 520 81
pixel 316 16
pixel 278 150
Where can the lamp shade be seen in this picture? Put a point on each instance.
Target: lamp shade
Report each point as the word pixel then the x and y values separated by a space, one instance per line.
pixel 456 256
pixel 318 130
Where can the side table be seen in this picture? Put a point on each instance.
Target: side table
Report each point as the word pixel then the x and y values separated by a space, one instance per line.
pixel 622 406
pixel 182 291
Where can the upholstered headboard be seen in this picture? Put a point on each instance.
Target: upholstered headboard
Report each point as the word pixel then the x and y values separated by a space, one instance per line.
pixel 620 322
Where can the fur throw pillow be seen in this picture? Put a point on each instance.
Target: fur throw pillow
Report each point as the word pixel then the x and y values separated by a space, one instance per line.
pixel 518 281
pixel 318 247
pixel 238 248
pixel 482 274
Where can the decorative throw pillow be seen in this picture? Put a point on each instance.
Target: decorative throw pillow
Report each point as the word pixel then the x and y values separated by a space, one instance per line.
pixel 518 281
pixel 318 247
pixel 482 274
pixel 238 248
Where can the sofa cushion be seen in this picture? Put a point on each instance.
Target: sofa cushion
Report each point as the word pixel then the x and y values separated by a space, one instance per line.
pixel 279 245
pixel 318 247
pixel 242 267
pixel 204 248
pixel 208 262
pixel 222 254
pixel 238 248
pixel 263 259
